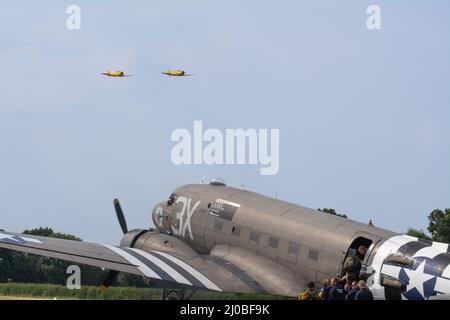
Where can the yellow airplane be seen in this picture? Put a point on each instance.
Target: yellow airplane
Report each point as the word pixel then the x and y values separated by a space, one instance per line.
pixel 177 73
pixel 116 74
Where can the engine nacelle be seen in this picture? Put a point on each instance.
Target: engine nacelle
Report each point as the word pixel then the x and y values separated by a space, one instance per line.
pixel 155 240
pixel 130 238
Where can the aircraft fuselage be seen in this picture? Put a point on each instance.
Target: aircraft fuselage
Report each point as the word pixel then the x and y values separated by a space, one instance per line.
pixel 308 244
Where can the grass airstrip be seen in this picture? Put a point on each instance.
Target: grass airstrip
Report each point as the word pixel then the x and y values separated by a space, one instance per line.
pixel 14 291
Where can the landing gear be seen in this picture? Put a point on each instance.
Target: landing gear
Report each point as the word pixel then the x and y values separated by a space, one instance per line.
pixel 172 294
pixel 176 294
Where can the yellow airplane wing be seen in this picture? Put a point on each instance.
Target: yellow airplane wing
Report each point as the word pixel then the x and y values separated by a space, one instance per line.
pixel 116 75
pixel 176 74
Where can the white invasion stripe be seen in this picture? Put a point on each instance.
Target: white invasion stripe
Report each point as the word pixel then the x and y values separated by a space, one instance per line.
pixel 430 252
pixel 442 285
pixel 191 270
pixel 141 266
pixel 389 270
pixel 446 273
pixel 171 271
pixel 441 245
pixel 391 245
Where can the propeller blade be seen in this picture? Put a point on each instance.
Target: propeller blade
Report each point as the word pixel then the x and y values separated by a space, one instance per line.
pixel 110 278
pixel 120 216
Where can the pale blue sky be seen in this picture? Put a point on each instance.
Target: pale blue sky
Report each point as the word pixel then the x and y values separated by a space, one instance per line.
pixel 363 115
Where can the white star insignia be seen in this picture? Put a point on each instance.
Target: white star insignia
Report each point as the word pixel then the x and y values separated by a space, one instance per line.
pixel 418 277
pixel 18 239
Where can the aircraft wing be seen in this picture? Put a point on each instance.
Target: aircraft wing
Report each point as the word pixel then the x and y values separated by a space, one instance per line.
pixel 93 254
pixel 202 271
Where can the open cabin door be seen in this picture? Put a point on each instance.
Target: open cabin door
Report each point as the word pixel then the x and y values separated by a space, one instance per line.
pixel 369 241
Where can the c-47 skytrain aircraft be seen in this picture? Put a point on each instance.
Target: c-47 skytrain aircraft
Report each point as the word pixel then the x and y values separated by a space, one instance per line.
pixel 226 239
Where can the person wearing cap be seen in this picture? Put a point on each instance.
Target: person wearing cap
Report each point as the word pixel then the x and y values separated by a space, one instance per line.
pixel 364 292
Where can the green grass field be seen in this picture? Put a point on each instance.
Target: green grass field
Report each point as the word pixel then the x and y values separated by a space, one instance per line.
pixel 50 291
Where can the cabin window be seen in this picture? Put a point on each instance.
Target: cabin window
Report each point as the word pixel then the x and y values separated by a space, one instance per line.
pixel 218 225
pixel 254 236
pixel 293 248
pixel 273 242
pixel 313 255
pixel 236 231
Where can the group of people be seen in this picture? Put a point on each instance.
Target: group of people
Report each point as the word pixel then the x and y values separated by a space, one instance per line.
pixel 349 287
pixel 337 289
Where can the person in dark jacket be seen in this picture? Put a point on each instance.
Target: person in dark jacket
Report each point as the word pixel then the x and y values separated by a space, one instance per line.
pixel 347 288
pixel 337 291
pixel 353 291
pixel 364 292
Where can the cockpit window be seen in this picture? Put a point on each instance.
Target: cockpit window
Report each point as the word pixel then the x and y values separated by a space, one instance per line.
pixel 172 199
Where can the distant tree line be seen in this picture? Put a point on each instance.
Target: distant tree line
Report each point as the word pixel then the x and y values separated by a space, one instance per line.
pixel 438 227
pixel 333 212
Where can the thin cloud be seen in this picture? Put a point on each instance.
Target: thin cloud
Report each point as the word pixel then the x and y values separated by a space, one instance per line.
pixel 26 51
